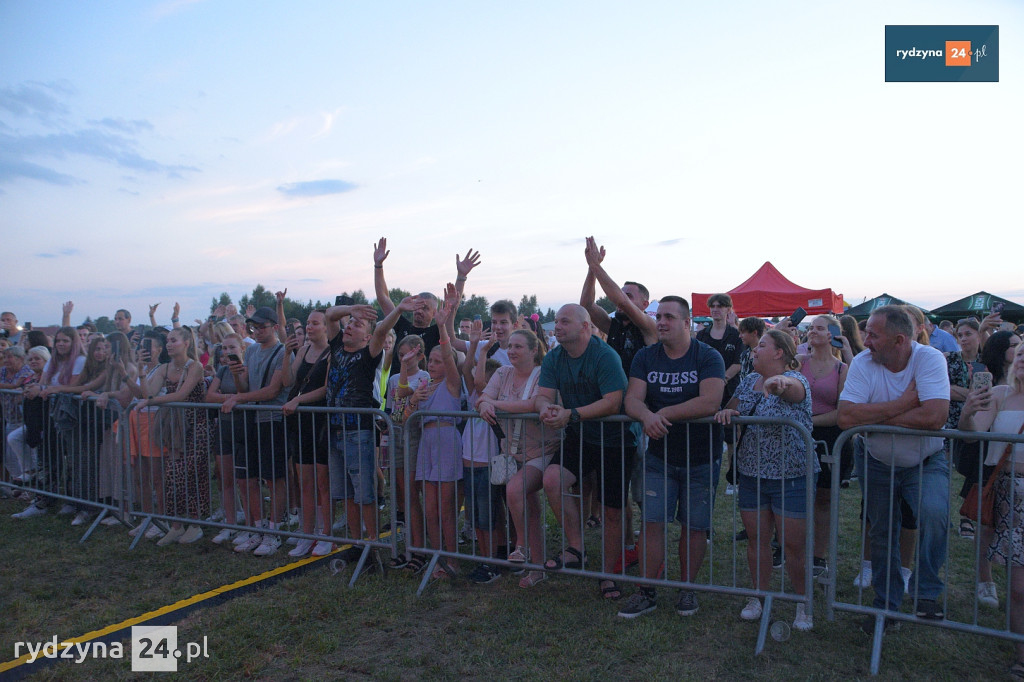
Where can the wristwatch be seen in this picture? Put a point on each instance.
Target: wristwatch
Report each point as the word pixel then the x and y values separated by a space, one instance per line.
pixel 574 416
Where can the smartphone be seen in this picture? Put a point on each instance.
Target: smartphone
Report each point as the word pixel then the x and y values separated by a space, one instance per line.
pixel 797 317
pixel 115 348
pixel 289 329
pixel 147 346
pixel 28 326
pixel 344 299
pixel 234 358
pixel 836 332
pixel 997 308
pixel 981 380
pixel 498 431
pixel 477 317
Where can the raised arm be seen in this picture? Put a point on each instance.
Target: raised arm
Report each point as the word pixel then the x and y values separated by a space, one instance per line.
pixel 639 317
pixel 152 314
pixel 594 256
pixel 380 286
pixel 444 312
pixel 281 335
pixel 65 317
pixel 380 333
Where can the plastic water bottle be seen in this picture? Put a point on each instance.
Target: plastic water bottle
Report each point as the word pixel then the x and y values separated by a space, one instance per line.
pixel 779 630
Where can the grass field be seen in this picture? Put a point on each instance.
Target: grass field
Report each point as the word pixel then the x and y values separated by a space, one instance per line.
pixel 313 626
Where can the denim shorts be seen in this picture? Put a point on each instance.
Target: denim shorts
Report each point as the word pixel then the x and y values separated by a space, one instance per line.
pixel 684 493
pixel 761 493
pixel 353 466
pixel 483 500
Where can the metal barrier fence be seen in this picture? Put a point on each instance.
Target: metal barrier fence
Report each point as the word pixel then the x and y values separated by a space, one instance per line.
pixel 155 466
pixel 929 487
pixel 433 465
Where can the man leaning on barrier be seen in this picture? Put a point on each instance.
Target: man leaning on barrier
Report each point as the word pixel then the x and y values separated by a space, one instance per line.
pixel 588 375
pixel 899 382
pixel 676 379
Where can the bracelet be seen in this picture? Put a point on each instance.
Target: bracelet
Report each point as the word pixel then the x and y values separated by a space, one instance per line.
pixel 401 385
pixel 460 278
pixel 175 319
pixel 379 267
pixel 442 342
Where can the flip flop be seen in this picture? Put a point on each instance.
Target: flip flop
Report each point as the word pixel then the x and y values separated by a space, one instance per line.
pixel 593 522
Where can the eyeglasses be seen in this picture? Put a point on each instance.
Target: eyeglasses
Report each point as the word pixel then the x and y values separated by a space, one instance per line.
pixel 253 327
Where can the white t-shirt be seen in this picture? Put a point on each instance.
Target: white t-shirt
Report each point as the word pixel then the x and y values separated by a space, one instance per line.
pixel 870 382
pixel 501 355
pixel 76 370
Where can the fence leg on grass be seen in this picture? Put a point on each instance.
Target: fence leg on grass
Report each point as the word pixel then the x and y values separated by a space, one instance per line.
pixel 766 622
pixel 427 572
pixel 876 643
pixel 367 549
pixel 92 526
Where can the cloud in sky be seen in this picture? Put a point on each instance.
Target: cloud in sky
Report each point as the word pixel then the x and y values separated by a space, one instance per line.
pixel 38 100
pixel 668 242
pixel 59 253
pixel 316 188
pixel 123 126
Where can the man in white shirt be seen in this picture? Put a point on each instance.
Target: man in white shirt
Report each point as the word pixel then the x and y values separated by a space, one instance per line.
pixel 901 383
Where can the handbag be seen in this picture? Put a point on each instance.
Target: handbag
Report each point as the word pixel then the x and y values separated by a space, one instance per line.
pixel 504 466
pixel 969 509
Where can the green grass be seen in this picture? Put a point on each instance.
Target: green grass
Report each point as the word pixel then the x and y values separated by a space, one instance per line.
pixel 314 627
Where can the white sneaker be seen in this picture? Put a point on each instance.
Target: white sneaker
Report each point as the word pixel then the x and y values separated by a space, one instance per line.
pixel 217 516
pixel 803 621
pixel 223 536
pixel 863 578
pixel 172 536
pixel 80 518
pixel 192 533
pixel 323 548
pixel 302 548
pixel 906 573
pixel 29 512
pixel 153 532
pixel 291 520
pixel 109 520
pixel 987 595
pixel 270 545
pixel 252 542
pixel 243 536
pixel 339 525
pixel 239 517
pixel 730 489
pixel 752 611
pixel 66 510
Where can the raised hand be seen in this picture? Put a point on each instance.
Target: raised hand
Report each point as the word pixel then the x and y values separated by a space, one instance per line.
pixel 279 295
pixel 67 307
pixel 593 253
pixel 465 265
pixel 380 252
pixel 152 309
pixel 363 311
pixel 410 304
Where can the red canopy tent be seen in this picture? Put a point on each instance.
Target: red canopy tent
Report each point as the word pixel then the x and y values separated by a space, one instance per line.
pixel 767 294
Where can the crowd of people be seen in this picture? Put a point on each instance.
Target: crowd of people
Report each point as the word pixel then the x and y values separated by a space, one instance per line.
pixel 893 369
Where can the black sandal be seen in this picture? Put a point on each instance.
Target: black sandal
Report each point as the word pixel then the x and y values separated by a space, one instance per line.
pixel 416 564
pixel 398 562
pixel 593 522
pixel 558 563
pixel 1017 670
pixel 966 527
pixel 613 591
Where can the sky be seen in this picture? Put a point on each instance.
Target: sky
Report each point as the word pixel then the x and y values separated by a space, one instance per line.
pixel 171 150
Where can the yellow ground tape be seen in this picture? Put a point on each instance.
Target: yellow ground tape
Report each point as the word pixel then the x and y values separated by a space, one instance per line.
pixel 176 606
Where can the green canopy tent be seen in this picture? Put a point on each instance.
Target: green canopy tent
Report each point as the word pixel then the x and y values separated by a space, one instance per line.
pixel 978 305
pixel 864 310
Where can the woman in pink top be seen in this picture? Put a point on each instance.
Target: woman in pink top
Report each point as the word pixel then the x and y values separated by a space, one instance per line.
pixel 825 372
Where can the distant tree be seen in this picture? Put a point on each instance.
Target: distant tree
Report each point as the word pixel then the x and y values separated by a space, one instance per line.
pixel 105 325
pixel 607 304
pixel 475 305
pixel 224 299
pixel 549 316
pixel 259 298
pixel 528 305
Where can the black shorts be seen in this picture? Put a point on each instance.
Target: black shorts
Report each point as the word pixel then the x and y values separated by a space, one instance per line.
pixel 307 437
pixel 828 435
pixel 262 455
pixel 612 464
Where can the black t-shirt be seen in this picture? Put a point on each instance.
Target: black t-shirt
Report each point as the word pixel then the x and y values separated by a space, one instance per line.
pixel 317 377
pixel 431 337
pixel 673 382
pixel 729 346
pixel 626 339
pixel 350 383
